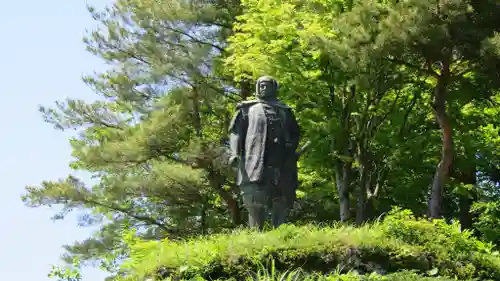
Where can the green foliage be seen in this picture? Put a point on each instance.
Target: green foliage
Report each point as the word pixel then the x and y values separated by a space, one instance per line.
pixel 270 274
pixel 66 274
pixel 399 242
pixel 488 221
pixel 362 76
pixel 151 142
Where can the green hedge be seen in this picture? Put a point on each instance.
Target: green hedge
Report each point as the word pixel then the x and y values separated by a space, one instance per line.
pixel 398 243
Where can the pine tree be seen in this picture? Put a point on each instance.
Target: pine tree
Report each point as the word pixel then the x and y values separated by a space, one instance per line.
pixel 154 139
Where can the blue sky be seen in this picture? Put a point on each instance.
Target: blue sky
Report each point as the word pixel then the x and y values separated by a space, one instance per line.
pixel 42 59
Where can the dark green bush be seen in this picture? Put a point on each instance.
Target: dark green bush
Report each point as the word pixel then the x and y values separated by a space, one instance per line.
pixel 487 220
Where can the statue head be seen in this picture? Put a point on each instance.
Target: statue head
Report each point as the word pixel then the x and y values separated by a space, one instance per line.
pixel 266 88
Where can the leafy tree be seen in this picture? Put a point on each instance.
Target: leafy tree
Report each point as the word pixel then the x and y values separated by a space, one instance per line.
pixel 452 42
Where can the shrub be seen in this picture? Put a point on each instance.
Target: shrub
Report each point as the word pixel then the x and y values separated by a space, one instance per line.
pixel 398 244
pixel 487 221
pixel 452 251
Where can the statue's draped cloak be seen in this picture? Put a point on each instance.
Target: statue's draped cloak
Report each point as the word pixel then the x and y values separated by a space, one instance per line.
pixel 255 142
pixel 248 140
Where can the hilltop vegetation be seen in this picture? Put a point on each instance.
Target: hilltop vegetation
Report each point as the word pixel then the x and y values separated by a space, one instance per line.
pixel 399 246
pixel 399 98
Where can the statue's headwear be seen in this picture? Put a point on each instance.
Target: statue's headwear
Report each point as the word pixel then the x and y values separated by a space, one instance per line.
pixel 266 78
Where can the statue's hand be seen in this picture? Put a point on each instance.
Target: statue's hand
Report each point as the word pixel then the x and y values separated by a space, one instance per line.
pixel 233 161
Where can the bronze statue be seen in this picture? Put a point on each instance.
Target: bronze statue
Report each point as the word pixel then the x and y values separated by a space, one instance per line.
pixel 264 136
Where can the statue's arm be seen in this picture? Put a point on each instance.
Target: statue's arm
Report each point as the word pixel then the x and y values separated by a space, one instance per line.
pixel 236 134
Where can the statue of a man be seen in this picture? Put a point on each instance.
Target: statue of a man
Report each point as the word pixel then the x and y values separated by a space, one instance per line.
pixel 264 136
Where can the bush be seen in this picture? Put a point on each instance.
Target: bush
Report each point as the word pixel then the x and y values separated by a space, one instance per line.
pixel 487 222
pixel 390 248
pixel 297 275
pixel 453 252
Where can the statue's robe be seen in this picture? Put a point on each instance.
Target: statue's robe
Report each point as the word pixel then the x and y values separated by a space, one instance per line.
pixel 265 135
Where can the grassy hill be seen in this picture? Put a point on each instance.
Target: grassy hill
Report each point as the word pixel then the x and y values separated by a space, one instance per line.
pixel 399 247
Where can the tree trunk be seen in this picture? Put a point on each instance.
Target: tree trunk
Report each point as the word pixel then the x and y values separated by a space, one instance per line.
pixel 361 200
pixel 371 179
pixel 443 168
pixel 466 199
pixel 217 181
pixel 203 217
pixel 341 145
pixel 364 182
pixel 343 179
pixel 465 202
pixel 234 209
